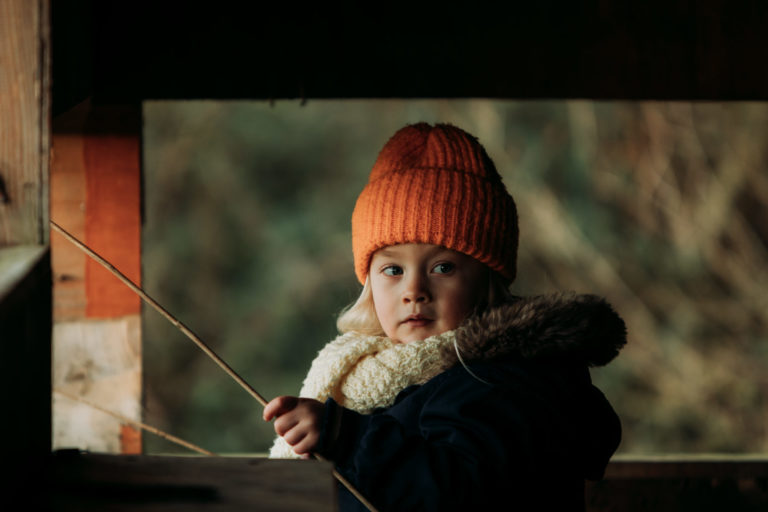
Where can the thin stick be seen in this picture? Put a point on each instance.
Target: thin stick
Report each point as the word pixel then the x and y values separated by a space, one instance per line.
pixel 138 424
pixel 160 309
pixel 191 335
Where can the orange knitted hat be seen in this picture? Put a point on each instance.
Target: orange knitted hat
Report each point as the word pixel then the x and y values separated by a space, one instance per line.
pixel 436 185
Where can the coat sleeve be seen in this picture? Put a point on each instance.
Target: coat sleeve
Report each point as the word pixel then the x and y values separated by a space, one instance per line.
pixel 444 446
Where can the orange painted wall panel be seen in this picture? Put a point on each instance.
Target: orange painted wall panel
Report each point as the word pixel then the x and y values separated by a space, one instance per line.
pixel 113 222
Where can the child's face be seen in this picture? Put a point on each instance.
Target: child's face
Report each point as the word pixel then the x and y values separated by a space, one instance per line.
pixel 420 290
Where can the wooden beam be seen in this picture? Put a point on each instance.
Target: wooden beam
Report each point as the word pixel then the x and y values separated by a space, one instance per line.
pixel 705 50
pixel 24 121
pixel 681 484
pixel 25 269
pixel 102 482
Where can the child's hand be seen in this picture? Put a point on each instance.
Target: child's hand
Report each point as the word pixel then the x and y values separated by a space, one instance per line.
pixel 298 421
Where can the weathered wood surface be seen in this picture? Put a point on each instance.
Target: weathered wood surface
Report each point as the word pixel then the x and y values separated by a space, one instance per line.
pixel 96 482
pixel 68 203
pixel 96 196
pixel 91 482
pixel 24 122
pixel 99 360
pixel 686 484
pixel 113 215
pixel 25 292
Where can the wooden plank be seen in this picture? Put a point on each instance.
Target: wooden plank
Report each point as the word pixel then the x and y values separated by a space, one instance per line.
pixel 687 466
pixel 86 482
pixel 685 483
pixel 99 360
pixel 94 482
pixel 25 294
pixel 113 208
pixel 68 204
pixel 96 195
pixel 24 122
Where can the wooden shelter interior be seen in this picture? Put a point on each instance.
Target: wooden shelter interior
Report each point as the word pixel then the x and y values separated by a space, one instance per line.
pixel 75 73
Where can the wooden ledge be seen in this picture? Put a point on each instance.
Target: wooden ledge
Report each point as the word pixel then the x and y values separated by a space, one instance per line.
pixel 16 262
pixel 688 466
pixel 681 483
pixel 85 481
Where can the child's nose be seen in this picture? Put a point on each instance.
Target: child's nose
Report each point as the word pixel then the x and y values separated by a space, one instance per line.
pixel 416 289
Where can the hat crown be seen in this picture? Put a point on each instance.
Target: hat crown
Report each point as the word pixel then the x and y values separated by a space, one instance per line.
pixel 443 146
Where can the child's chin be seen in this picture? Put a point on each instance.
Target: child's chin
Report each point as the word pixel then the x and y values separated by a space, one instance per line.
pixel 417 336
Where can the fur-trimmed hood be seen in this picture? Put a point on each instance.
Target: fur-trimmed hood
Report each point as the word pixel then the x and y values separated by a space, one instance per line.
pixel 582 328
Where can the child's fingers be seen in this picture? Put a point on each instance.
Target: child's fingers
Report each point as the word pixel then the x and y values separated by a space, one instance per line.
pixel 294 436
pixel 284 424
pixel 306 445
pixel 301 441
pixel 279 406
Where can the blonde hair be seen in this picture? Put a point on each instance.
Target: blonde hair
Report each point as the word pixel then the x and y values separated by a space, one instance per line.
pixel 360 316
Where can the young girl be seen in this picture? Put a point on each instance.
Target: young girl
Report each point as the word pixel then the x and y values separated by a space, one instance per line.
pixel 445 392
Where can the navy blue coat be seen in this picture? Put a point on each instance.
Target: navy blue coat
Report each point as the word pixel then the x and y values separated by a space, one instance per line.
pixel 523 432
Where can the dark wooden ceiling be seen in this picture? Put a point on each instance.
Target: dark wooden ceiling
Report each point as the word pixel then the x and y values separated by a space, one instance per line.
pixel 118 52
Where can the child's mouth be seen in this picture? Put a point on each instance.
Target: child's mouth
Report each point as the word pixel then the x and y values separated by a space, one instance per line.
pixel 417 321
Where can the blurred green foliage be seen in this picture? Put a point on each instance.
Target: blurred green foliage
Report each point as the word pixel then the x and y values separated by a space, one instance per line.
pixel 660 207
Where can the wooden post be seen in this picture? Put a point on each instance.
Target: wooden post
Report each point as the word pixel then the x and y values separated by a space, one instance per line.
pixel 96 195
pixel 24 122
pixel 25 272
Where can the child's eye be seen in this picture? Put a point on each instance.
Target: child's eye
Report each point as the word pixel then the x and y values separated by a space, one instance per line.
pixel 392 270
pixel 443 268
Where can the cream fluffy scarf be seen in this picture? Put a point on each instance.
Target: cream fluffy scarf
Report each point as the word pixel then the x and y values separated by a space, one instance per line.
pixel 365 372
pixel 362 372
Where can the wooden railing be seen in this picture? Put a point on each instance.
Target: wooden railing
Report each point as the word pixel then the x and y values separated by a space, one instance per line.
pixel 682 483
